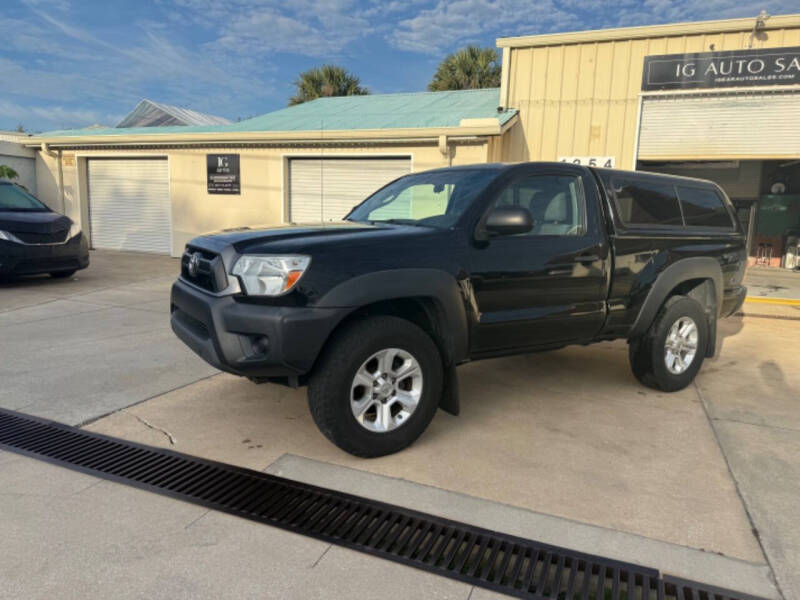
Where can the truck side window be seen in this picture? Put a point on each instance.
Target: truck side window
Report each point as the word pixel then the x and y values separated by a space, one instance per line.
pixel 415 202
pixel 642 202
pixel 555 202
pixel 703 208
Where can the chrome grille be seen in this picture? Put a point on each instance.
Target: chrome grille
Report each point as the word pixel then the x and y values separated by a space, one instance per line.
pixel 209 271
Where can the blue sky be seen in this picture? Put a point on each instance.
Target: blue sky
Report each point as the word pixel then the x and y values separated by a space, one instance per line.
pixel 73 63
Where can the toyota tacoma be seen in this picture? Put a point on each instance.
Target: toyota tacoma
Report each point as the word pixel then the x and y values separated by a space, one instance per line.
pixel 374 313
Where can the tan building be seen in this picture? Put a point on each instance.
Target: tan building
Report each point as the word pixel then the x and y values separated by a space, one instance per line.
pixel 14 154
pixel 717 99
pixel 153 189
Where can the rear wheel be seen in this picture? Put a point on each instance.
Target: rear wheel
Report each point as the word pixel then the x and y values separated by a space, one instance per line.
pixel 63 274
pixel 377 386
pixel 671 353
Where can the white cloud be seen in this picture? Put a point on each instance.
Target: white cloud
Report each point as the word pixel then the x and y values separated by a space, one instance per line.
pixel 52 116
pixel 304 27
pixel 85 69
pixel 451 23
pixel 60 5
pixel 269 31
pixel 675 11
pixel 220 57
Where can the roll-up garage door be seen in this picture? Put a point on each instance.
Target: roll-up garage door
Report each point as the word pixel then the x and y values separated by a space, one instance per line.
pixel 751 125
pixel 129 204
pixel 326 189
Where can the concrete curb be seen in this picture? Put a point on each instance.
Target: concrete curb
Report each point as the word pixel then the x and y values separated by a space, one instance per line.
pixel 681 561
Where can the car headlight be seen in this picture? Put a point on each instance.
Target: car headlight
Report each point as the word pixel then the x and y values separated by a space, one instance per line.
pixel 10 237
pixel 270 275
pixel 74 230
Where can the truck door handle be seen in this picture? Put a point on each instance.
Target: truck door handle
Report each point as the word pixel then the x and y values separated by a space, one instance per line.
pixel 583 258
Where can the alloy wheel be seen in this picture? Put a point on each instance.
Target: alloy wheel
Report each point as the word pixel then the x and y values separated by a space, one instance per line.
pixel 680 347
pixel 386 390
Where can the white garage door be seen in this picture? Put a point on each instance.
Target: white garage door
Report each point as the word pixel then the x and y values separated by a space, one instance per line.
pixel 720 126
pixel 129 205
pixel 326 189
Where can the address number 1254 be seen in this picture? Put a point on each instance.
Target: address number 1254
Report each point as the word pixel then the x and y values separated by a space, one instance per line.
pixel 589 161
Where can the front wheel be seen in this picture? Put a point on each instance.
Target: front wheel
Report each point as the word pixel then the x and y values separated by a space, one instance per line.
pixel 671 353
pixel 377 386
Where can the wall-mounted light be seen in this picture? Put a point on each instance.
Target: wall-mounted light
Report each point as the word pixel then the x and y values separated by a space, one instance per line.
pixel 761 23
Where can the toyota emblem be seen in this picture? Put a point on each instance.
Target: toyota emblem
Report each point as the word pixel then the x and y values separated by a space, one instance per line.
pixel 194 264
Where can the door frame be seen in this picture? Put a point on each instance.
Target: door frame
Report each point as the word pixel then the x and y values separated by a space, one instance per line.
pixel 288 156
pixel 82 191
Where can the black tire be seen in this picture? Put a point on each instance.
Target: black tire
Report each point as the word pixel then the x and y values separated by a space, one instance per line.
pixel 646 353
pixel 329 390
pixel 62 274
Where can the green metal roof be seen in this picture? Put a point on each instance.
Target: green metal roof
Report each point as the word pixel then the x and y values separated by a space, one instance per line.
pixel 378 111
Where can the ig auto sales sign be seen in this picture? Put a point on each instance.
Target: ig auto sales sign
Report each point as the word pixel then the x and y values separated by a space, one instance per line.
pixel 735 68
pixel 223 173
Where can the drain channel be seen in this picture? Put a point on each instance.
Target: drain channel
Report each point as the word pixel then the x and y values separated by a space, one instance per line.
pixel 503 563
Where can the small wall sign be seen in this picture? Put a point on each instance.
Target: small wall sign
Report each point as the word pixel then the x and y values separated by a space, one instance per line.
pixel 734 68
pixel 223 173
pixel 606 162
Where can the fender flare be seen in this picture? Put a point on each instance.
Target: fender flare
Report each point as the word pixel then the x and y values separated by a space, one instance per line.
pixel 435 284
pixel 699 267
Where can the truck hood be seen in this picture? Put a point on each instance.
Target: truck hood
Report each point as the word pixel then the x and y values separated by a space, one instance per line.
pixel 33 221
pixel 307 237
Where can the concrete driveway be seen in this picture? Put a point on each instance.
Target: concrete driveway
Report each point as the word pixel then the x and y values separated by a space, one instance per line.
pixel 75 349
pixel 565 447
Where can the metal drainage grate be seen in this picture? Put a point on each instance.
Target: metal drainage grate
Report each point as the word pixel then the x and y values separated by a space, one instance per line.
pixel 504 563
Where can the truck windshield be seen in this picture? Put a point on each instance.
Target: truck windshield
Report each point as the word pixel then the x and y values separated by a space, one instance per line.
pixel 433 199
pixel 14 198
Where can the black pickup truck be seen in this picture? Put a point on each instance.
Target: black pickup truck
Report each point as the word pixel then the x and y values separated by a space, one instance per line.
pixel 446 266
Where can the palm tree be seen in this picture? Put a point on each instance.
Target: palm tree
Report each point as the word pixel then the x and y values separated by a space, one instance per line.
pixel 470 68
pixel 326 81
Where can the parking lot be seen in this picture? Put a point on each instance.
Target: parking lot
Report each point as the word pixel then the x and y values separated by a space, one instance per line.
pixel 565 447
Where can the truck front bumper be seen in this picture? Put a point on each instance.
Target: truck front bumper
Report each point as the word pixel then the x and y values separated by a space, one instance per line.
pixel 251 340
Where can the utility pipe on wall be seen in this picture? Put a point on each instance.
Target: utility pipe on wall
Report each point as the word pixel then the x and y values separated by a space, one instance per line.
pixel 444 148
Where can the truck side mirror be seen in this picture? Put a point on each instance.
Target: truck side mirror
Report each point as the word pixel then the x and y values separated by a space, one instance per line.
pixel 508 220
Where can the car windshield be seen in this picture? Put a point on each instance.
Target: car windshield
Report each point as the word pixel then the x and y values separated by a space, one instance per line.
pixel 14 198
pixel 433 199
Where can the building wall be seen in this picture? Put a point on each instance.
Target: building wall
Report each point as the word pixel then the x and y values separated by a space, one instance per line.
pixel 264 176
pixel 582 98
pixel 47 181
pixel 22 160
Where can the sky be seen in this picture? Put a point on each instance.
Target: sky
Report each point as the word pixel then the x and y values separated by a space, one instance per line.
pixel 75 63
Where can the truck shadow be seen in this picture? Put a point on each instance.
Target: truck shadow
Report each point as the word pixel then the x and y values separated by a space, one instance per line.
pixel 595 371
pixel 727 328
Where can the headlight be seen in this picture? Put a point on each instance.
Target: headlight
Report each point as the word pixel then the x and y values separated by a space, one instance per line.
pixel 74 230
pixel 10 237
pixel 270 275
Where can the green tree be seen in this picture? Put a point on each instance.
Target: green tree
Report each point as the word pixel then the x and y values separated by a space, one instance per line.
pixel 470 68
pixel 7 172
pixel 326 81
